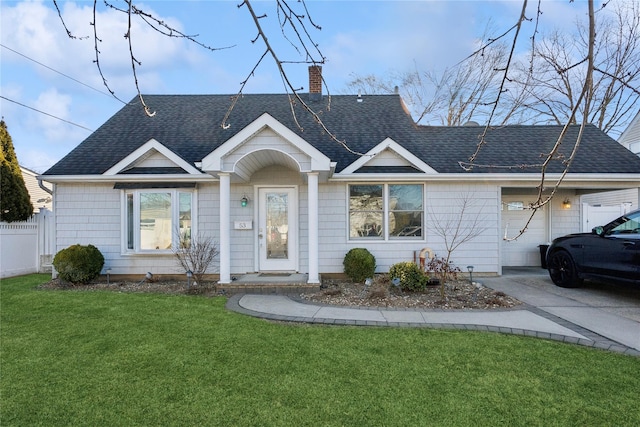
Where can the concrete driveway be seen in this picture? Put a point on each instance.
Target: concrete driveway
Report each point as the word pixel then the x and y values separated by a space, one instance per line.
pixel 612 311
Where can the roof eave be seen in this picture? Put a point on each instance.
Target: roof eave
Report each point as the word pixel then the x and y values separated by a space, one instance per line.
pixel 631 179
pixel 56 179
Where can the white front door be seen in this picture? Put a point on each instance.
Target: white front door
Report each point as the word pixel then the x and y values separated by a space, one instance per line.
pixel 277 229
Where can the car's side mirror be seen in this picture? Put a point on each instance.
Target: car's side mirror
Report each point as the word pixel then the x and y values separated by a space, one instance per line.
pixel 598 230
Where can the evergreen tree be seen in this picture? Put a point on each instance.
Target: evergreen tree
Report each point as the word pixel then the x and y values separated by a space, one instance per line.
pixel 15 204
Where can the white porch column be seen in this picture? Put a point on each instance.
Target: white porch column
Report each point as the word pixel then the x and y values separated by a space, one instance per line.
pixel 225 234
pixel 312 184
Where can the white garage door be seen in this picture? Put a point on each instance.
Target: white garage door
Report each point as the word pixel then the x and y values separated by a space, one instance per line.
pixel 524 251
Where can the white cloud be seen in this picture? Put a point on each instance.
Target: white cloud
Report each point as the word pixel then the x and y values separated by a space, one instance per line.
pixel 35 30
pixel 429 35
pixel 56 104
pixel 36 160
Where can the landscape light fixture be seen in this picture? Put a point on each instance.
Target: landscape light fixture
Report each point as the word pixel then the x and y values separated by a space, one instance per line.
pixel 147 278
pixel 470 269
pixel 189 276
pixel 108 271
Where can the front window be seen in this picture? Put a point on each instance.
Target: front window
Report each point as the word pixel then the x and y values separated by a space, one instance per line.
pixel 405 210
pixel 366 211
pixel 386 211
pixel 157 221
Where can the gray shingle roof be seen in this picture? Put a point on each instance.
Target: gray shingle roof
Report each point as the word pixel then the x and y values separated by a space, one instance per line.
pixel 190 126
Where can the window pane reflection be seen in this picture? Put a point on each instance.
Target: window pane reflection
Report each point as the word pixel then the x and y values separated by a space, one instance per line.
pixel 155 221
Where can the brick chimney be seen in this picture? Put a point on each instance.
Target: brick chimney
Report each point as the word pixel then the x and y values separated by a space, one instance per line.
pixel 315 82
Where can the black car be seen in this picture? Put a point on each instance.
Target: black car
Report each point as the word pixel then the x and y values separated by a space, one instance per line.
pixel 609 253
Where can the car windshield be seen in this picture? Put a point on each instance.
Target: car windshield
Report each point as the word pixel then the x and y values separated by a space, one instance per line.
pixel 627 224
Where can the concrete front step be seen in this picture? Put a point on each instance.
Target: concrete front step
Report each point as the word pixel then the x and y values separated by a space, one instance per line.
pixel 268 289
pixel 279 284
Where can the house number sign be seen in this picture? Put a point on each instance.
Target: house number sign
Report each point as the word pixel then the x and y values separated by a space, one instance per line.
pixel 243 225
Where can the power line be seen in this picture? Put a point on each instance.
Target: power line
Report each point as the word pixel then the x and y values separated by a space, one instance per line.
pixel 61 73
pixel 46 114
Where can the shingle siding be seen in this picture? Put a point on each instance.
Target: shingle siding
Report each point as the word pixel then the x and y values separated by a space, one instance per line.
pixel 88 214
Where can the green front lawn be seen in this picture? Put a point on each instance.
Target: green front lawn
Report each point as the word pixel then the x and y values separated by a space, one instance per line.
pixel 116 359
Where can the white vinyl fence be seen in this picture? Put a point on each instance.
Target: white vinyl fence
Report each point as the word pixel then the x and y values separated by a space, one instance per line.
pixel 28 246
pixel 593 216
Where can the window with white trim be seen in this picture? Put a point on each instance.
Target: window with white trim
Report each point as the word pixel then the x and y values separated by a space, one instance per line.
pixel 386 211
pixel 158 220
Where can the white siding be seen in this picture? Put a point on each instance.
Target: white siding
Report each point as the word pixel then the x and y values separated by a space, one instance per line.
pixel 564 221
pixel 155 159
pixel 332 227
pixel 482 251
pixel 388 158
pixel 630 138
pixel 90 214
pixel 444 203
pixel 208 217
pixel 265 140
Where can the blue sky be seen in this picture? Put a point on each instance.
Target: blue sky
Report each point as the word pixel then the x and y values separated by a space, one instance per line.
pixel 357 37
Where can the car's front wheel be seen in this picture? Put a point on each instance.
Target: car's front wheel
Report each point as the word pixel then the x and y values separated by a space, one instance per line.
pixel 562 270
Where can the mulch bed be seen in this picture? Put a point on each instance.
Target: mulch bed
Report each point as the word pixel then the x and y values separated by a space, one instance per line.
pixel 457 294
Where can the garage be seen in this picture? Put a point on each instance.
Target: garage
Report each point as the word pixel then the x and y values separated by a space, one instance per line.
pixel 523 251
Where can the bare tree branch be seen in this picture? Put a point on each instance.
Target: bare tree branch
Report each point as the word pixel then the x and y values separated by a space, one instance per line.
pixel 585 96
pixel 135 62
pixel 517 26
pixel 69 33
pixel 292 92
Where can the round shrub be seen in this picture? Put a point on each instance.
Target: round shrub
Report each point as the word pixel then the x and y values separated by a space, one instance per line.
pixel 78 263
pixel 359 264
pixel 410 275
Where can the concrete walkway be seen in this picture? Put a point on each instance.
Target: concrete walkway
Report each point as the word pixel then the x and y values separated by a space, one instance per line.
pixel 544 315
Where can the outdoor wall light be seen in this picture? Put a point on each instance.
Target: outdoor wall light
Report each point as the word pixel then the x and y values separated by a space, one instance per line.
pixel 470 269
pixel 566 204
pixel 244 201
pixel 189 276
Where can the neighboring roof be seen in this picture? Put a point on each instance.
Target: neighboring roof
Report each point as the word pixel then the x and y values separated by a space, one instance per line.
pixel 190 126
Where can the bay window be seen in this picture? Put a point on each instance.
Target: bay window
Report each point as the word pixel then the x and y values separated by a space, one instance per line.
pixel 157 220
pixel 386 211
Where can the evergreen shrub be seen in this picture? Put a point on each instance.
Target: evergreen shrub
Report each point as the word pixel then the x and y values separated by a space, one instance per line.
pixel 359 264
pixel 412 278
pixel 79 263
